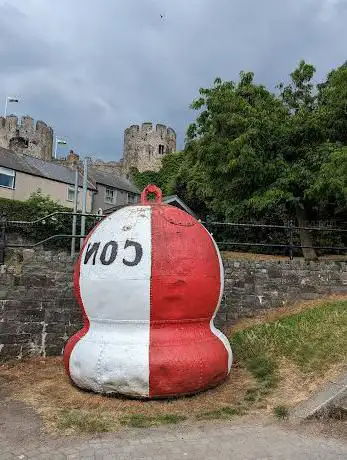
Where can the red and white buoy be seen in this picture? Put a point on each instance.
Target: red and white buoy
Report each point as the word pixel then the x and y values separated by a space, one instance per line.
pixel 149 281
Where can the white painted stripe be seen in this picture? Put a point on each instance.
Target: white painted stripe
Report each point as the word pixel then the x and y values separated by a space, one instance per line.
pixel 213 328
pixel 113 357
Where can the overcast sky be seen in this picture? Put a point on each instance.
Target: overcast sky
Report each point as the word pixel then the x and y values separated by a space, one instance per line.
pixel 91 68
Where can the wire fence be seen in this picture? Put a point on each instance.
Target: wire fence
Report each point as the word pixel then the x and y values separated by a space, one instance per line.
pixel 280 239
pixel 55 231
pixel 52 231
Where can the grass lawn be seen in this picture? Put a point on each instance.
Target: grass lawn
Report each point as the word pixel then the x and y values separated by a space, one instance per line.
pixel 312 339
pixel 279 360
pixel 294 349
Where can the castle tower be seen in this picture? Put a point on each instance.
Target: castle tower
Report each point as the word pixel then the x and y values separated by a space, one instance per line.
pixel 146 145
pixel 22 136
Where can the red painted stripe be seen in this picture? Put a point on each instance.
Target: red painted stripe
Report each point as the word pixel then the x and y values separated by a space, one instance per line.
pixel 184 355
pixel 76 281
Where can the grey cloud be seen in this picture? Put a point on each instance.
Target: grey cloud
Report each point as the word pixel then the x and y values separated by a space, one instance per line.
pixel 92 68
pixel 14 55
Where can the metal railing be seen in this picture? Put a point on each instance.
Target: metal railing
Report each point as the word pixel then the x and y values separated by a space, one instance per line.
pixel 5 224
pixel 289 246
pixel 41 219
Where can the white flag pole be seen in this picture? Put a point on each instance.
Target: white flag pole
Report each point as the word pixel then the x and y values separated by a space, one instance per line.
pixel 58 141
pixel 55 148
pixel 84 200
pixel 9 99
pixel 5 112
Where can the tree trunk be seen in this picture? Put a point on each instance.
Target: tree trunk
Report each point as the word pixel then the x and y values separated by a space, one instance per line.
pixel 305 235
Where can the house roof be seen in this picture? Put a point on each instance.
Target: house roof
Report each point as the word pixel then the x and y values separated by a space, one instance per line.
pixel 37 167
pixel 174 200
pixel 112 180
pixel 171 199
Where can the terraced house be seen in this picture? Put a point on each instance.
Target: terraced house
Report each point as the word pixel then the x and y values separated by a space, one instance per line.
pixel 21 175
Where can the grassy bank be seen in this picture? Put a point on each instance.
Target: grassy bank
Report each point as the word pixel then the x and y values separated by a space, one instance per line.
pixel 311 342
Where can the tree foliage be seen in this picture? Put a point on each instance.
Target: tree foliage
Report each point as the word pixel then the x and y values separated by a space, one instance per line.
pixel 174 178
pixel 255 154
pixel 163 178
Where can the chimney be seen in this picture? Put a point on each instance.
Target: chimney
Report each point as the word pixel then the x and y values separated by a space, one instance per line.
pixel 72 159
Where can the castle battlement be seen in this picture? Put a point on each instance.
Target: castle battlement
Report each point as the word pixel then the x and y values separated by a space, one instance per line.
pixel 145 145
pixel 23 135
pixel 148 127
pixel 24 123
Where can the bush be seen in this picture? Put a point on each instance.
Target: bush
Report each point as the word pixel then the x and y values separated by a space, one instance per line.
pixel 19 213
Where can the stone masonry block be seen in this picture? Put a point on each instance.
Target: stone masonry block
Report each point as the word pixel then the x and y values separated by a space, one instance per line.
pixel 28 254
pixel 11 339
pixel 40 296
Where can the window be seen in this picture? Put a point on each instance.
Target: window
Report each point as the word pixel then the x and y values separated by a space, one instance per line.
pixel 71 193
pixel 7 177
pixel 161 149
pixel 132 198
pixel 110 195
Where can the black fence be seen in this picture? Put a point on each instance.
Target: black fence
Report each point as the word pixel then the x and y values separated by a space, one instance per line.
pixel 55 231
pixel 284 239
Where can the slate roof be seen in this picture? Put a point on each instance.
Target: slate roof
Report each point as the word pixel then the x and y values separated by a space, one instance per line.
pixel 37 167
pixel 174 200
pixel 112 180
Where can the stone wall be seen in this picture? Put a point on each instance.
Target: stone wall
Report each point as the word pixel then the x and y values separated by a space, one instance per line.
pixel 251 286
pixel 112 167
pixel 38 312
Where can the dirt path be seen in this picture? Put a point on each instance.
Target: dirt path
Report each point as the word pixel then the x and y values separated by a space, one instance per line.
pixel 222 441
pixel 21 437
pixel 18 422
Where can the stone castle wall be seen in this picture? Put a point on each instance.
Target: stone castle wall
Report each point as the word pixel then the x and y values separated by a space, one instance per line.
pixel 23 136
pixel 112 167
pixel 38 311
pixel 141 150
pixel 146 145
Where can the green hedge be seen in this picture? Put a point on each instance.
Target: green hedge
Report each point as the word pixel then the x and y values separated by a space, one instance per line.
pixel 35 207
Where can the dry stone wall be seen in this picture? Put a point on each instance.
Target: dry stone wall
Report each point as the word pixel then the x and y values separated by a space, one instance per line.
pixel 38 311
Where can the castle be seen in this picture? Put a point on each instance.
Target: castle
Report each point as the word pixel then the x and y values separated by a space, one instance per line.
pixel 22 136
pixel 144 146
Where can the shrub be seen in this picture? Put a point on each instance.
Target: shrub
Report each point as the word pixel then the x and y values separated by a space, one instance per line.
pixel 19 213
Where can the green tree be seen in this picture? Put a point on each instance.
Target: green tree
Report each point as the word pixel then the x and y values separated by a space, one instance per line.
pixel 251 152
pixel 164 178
pixel 332 98
pixel 142 179
pixel 304 134
pixel 174 178
pixel 232 147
